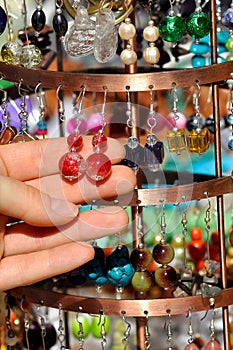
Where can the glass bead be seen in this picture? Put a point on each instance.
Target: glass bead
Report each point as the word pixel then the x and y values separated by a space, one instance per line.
pixel 165 276
pixel 172 28
pixel 133 142
pixel 75 141
pixel 163 253
pixel 72 166
pixel 198 25
pixel 142 281
pixel 151 54
pixel 126 30
pixel 198 61
pixel 230 143
pixel 75 327
pixel 229 44
pixel 151 32
pixel 10 52
pixel 196 247
pixel 229 119
pixel 154 150
pixel 106 38
pixel 176 140
pixel 79 40
pixel 227 18
pixel 95 269
pixel 3 20
pixel 99 140
pixel 98 166
pixel 193 122
pixel 38 19
pixel 60 24
pixel 222 37
pixel 30 56
pixel 198 142
pixel 213 345
pixel 7 134
pixel 199 48
pixel 119 269
pixel 134 157
pixel 191 346
pixel 140 258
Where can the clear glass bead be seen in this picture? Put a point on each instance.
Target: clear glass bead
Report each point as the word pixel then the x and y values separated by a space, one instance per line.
pixel 10 52
pixel 30 56
pixel 133 142
pixel 106 38
pixel 79 39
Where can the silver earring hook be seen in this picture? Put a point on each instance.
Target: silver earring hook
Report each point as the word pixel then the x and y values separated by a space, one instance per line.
pixel 147 332
pixel 61 109
pixel 127 331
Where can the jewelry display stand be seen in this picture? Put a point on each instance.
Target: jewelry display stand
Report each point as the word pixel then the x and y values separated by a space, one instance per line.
pixel 216 187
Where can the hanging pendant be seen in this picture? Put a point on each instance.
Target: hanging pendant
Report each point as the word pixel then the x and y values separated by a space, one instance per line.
pixel 60 24
pixel 154 152
pixel 134 154
pixel 213 345
pixel 79 40
pixel 127 30
pixel 30 56
pixel 176 140
pixel 106 39
pixel 7 134
pixel 198 24
pixel 165 276
pixel 198 141
pixel 38 19
pixel 172 28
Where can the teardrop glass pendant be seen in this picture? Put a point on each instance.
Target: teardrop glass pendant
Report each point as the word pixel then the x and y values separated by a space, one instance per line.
pixel 106 39
pixel 79 39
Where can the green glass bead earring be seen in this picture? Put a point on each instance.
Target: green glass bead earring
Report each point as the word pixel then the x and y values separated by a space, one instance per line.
pixel 198 24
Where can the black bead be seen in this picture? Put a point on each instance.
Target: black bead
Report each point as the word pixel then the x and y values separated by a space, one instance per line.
pixel 60 24
pixel 3 20
pixel 38 20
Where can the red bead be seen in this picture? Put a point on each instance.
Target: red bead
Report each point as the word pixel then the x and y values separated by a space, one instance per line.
pixel 74 141
pixel 98 166
pixel 163 253
pixel 191 346
pixel 72 165
pixel 140 258
pixel 165 276
pixel 213 345
pixel 99 140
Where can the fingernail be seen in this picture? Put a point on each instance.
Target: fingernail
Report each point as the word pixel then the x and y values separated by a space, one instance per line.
pixel 62 208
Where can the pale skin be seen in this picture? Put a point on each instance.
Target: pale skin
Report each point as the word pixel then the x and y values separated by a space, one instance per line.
pixel 53 236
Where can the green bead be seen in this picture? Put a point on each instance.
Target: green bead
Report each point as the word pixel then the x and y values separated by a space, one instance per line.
pixel 171 28
pixel 142 281
pixel 229 44
pixel 198 25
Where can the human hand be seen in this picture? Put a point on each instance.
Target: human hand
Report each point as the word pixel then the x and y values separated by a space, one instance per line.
pixel 51 239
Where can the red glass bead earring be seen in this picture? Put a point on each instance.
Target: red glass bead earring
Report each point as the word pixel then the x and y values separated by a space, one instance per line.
pixel 98 165
pixel 72 165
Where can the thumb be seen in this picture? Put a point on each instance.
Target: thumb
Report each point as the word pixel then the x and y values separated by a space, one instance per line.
pixel 24 202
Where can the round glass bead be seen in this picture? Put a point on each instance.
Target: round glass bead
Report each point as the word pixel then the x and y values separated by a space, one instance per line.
pixel 3 20
pixel 30 56
pixel 142 281
pixel 172 28
pixel 38 19
pixel 230 119
pixel 198 61
pixel 198 25
pixel 140 258
pixel 165 276
pixel 151 54
pixel 230 143
pixel 60 24
pixel 72 166
pixel 10 52
pixel 227 18
pixel 229 44
pixel 132 142
pixel 163 253
pixel 98 166
pixel 99 140
pixel 74 141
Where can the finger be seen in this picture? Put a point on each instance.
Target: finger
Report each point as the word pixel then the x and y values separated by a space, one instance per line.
pixel 122 181
pixel 22 270
pixel 89 225
pixel 27 203
pixel 29 160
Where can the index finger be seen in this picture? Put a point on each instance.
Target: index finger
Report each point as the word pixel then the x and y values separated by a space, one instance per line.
pixel 30 160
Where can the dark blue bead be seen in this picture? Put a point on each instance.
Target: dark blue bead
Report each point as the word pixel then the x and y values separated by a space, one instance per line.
pixel 134 157
pixel 60 24
pixel 227 18
pixel 3 20
pixel 38 20
pixel 154 154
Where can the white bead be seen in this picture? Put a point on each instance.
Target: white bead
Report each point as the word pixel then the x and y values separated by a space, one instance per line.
pixel 127 30
pixel 151 32
pixel 151 54
pixel 128 56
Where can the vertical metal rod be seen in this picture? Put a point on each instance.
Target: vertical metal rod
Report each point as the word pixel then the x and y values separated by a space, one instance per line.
pixel 218 170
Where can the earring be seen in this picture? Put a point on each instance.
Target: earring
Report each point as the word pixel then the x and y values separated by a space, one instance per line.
pixel 169 330
pixel 80 327
pixel 140 259
pixel 106 38
pixel 212 344
pixel 8 132
pixel 134 152
pixel 95 269
pixel 127 331
pixel 119 269
pixel 176 137
pixel 198 24
pixel 171 27
pixel 79 39
pixel 61 330
pixel 41 125
pixel 100 327
pixel 71 165
pixel 98 165
pixel 163 253
pixel 38 19
pixel 229 117
pixel 154 150
pixel 191 345
pixel 60 24
pixel 198 139
pixel 146 332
